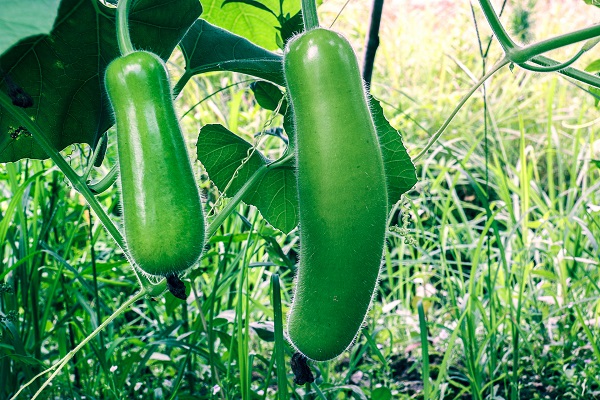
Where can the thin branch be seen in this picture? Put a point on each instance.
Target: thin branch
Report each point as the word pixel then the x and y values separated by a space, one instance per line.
pixel 372 41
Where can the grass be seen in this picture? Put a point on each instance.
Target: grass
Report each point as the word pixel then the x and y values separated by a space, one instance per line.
pixel 490 291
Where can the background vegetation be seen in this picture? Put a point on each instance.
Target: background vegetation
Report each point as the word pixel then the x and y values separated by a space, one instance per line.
pixel 508 312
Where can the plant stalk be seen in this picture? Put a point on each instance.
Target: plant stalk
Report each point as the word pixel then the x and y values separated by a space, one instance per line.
pixel 309 14
pixel 123 36
pixel 372 41
pixel 526 53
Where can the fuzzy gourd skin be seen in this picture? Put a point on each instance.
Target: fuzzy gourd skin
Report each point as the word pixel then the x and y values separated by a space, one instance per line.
pixel 341 191
pixel 163 218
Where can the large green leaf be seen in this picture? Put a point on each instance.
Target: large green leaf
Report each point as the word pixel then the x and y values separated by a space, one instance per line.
pixel 207 47
pixel 275 195
pixel 20 19
pixel 251 19
pixel 63 72
pixel 399 169
pixel 222 154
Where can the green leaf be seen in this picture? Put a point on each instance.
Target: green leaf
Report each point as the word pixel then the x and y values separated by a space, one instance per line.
pixel 596 94
pixel 381 393
pixel 275 195
pixel 252 3
pixel 593 67
pixel 268 96
pixel 276 253
pixel 276 198
pixel 288 126
pixel 222 152
pixel 63 72
pixel 291 27
pixel 265 330
pixel 228 52
pixel 399 170
pixel 20 19
pixel 26 360
pixel 357 392
pixel 248 20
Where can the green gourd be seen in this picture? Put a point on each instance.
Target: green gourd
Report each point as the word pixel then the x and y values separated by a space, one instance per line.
pixel 163 218
pixel 341 191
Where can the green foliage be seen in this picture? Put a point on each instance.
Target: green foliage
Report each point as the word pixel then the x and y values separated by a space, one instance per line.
pixel 498 243
pixel 269 97
pixel 594 67
pixel 228 52
pixel 63 71
pixel 226 155
pixel 399 170
pixel 521 21
pixel 255 20
pixel 23 19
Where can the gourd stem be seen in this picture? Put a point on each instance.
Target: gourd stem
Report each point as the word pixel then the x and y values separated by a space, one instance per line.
pixel 372 42
pixel 107 181
pixel 95 155
pixel 533 53
pixel 528 52
pixel 187 75
pixel 309 14
pixel 462 101
pixel 505 41
pixel 574 73
pixel 552 68
pixel 123 37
